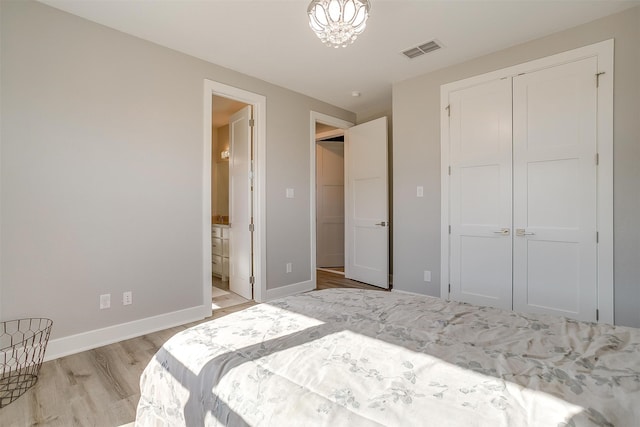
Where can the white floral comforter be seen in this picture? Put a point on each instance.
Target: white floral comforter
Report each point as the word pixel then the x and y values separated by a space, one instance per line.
pixel 346 357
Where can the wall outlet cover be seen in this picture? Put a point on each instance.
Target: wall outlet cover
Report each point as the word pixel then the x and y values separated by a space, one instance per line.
pixel 105 301
pixel 427 276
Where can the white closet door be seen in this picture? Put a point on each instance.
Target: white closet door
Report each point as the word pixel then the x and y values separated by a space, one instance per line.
pixel 480 194
pixel 554 114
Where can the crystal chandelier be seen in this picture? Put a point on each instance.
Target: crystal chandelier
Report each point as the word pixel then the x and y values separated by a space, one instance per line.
pixel 338 22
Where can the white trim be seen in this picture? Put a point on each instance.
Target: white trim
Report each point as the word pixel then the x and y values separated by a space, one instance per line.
pixel 314 118
pixel 259 103
pixel 398 291
pixel 605 183
pixel 207 270
pixel 72 344
pixel 295 288
pixel 444 192
pixel 604 52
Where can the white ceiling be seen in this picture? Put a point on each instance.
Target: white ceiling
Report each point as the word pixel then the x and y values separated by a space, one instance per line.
pixel 271 40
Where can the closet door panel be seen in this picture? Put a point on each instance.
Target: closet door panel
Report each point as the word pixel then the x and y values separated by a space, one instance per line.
pixel 552 199
pixel 480 194
pixel 554 190
pixel 552 266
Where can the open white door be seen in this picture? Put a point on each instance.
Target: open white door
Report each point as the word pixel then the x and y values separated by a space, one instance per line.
pixel 240 260
pixel 366 200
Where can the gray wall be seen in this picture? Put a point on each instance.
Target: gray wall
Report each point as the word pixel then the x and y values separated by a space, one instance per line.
pixel 416 156
pixel 101 172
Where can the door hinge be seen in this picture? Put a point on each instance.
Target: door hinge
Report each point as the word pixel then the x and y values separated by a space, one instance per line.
pixel 252 280
pixel 449 170
pixel 448 108
pixel 597 159
pixel 251 227
pixel 449 287
pixel 252 123
pixel 449 229
pixel 597 237
pixel 597 314
pixel 598 78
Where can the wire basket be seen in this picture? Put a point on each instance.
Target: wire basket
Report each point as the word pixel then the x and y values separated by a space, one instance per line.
pixel 22 346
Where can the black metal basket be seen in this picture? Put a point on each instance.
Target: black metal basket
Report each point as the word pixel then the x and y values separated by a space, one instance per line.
pixel 22 346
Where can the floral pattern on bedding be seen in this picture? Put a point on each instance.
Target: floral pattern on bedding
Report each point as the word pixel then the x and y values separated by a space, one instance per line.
pixel 346 357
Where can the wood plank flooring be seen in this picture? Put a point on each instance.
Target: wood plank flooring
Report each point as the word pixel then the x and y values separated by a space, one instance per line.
pixel 327 280
pixel 100 387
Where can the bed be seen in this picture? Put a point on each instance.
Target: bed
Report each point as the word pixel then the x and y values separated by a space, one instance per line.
pixel 351 357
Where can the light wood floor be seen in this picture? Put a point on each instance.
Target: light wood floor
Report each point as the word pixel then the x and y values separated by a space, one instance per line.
pixel 327 280
pixel 99 387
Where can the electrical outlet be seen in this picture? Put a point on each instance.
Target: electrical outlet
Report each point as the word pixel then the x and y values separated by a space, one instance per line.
pixel 127 298
pixel 289 193
pixel 289 267
pixel 427 276
pixel 105 301
pixel 420 191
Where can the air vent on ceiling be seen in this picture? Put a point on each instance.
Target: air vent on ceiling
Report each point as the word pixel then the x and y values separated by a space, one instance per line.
pixel 421 50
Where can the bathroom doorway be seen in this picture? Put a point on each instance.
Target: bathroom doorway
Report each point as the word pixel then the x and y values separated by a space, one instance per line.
pixel 225 124
pixel 234 202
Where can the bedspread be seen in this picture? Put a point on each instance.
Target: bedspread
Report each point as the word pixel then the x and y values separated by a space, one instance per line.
pixel 347 357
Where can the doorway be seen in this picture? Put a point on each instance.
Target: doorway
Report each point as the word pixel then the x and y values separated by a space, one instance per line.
pixel 240 115
pixel 226 119
pixel 330 199
pixel 326 127
pixel 365 200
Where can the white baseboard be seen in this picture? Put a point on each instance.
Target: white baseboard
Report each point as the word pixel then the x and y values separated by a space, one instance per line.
pixel 97 338
pixel 295 288
pixel 409 293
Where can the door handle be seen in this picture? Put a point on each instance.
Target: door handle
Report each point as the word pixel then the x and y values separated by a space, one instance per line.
pixel 383 224
pixel 503 231
pixel 523 232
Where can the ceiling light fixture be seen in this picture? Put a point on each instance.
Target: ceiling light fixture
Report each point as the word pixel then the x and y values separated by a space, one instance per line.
pixel 338 22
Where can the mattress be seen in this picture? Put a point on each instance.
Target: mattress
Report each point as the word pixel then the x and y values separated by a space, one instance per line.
pixel 351 357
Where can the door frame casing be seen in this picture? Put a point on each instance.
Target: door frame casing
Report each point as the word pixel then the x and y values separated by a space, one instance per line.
pixel 259 136
pixel 603 51
pixel 316 117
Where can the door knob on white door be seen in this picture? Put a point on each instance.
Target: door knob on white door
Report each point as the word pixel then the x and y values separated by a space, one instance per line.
pixel 523 232
pixel 383 224
pixel 503 231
